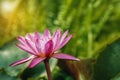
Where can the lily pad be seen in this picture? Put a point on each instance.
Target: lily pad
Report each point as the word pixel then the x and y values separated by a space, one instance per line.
pixel 108 64
pixel 117 77
pixel 8 54
pixel 4 76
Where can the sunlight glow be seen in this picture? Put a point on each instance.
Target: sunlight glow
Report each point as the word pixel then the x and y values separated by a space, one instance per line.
pixel 8 7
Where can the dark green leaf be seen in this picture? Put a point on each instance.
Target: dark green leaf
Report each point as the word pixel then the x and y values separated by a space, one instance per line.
pixel 116 77
pixel 4 76
pixel 108 64
pixel 61 75
pixel 38 71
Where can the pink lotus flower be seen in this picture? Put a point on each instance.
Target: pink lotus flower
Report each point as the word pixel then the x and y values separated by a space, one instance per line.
pixel 42 47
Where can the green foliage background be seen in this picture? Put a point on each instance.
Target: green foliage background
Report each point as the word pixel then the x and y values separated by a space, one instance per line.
pixel 93 23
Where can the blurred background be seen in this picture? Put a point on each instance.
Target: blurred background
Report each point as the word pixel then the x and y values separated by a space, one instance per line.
pixel 95 25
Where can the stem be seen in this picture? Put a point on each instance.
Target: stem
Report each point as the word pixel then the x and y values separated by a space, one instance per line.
pixel 47 66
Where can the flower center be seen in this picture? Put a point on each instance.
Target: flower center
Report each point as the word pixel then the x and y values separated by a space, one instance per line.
pixel 41 55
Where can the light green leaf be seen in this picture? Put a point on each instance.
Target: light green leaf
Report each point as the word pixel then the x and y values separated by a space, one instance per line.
pixel 4 76
pixel 8 54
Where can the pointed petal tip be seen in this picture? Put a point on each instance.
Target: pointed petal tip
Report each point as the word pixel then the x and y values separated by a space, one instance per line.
pixel 36 33
pixel 77 59
pixel 20 39
pixel 71 35
pixel 17 44
pixel 14 64
pixel 65 56
pixel 11 65
pixel 20 36
pixel 67 31
pixel 47 33
pixel 58 31
pixel 21 61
